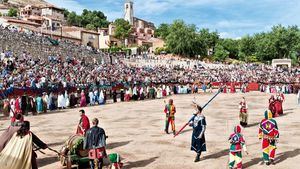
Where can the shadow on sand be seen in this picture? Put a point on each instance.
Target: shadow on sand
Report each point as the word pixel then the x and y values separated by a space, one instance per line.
pixel 253 161
pixel 117 144
pixel 140 163
pixel 216 155
pixel 280 158
pixel 46 161
pixel 286 113
pixel 288 154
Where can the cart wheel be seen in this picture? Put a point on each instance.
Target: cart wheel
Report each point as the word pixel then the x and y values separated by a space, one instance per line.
pixel 69 162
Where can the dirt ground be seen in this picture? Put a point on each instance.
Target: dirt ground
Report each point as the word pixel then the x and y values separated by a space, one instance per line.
pixel 135 131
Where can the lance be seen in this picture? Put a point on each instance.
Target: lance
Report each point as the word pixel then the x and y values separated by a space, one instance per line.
pixel 182 128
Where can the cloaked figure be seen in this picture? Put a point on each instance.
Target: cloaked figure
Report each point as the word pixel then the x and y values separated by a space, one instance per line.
pixel 19 145
pixel 115 96
pixel 198 137
pixel 122 95
pixel 95 142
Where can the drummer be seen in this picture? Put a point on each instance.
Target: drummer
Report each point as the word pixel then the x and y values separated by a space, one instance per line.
pixel 95 142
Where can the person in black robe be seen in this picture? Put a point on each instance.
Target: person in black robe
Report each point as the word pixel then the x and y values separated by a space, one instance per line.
pixel 87 98
pixel 175 89
pixel 32 105
pixel 72 100
pixel 198 138
pixel 95 142
pixel 24 104
pixel 105 96
pixel 114 96
pixel 122 95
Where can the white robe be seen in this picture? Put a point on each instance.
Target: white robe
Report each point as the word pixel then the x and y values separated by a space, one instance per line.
pixel 159 93
pixel 61 102
pixel 268 89
pixel 168 90
pixel 101 97
pixel 92 97
pixel 67 100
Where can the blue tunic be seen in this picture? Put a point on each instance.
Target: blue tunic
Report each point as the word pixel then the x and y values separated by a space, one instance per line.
pixel 198 139
pixel 39 104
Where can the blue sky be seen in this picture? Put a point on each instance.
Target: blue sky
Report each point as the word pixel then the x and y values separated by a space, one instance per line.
pixel 231 18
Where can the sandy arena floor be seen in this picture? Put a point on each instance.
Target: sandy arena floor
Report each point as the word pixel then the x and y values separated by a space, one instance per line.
pixel 135 131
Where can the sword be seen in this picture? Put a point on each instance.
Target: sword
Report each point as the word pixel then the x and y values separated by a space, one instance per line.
pixel 182 128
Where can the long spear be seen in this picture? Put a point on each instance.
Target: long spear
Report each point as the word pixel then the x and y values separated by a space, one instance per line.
pixel 220 90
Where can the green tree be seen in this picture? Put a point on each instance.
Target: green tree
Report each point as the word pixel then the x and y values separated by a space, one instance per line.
pixel 210 38
pixel 66 13
pixel 264 47
pixel 231 46
pixel 123 29
pixel 246 48
pixel 13 12
pixel 0 14
pixel 162 31
pixel 95 18
pixel 90 27
pixel 184 40
pixel 71 19
pixel 220 53
pixel 78 20
pixel 284 40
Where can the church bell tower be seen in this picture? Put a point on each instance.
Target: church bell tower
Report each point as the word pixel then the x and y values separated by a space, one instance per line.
pixel 128 9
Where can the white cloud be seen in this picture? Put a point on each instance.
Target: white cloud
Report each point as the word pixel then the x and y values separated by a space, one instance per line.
pixel 112 15
pixel 71 5
pixel 236 24
pixel 229 35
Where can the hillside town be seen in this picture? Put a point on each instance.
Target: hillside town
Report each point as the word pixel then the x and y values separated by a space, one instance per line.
pixel 49 20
